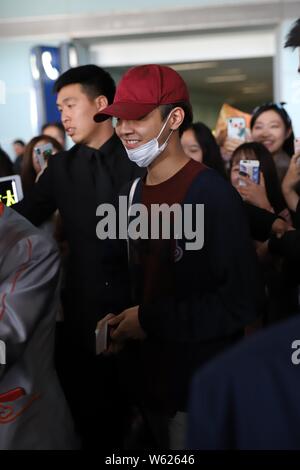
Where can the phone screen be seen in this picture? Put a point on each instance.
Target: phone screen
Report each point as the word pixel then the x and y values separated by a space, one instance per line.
pixel 103 339
pixel 250 168
pixel 42 153
pixel 297 145
pixel 10 190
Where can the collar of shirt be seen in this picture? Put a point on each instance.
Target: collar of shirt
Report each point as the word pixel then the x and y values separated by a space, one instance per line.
pixel 105 150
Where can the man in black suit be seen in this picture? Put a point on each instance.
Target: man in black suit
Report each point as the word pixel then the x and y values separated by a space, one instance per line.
pixel 76 182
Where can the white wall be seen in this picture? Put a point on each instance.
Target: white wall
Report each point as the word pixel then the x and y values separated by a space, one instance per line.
pixel 202 47
pixel 16 113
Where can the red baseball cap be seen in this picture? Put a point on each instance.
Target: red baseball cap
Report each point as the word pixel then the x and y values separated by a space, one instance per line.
pixel 142 89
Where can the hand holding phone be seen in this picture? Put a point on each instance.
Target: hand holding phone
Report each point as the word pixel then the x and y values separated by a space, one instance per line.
pixel 250 168
pixel 102 334
pixel 101 339
pixel 42 153
pixel 297 149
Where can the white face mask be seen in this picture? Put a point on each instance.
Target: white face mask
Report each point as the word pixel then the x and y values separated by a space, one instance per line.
pixel 144 155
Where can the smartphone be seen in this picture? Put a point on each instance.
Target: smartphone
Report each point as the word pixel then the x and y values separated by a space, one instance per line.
pixel 297 146
pixel 249 168
pixel 11 190
pixel 102 337
pixel 42 153
pixel 236 128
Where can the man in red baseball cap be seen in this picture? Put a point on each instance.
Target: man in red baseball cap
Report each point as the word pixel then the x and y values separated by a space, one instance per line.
pixel 150 90
pixel 191 300
pixel 144 88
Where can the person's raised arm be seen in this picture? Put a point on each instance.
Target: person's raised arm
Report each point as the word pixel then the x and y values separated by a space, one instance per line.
pixel 289 182
pixel 39 203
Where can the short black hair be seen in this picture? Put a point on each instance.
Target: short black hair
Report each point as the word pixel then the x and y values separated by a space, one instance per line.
pixel 165 110
pixel 94 80
pixel 20 142
pixel 293 37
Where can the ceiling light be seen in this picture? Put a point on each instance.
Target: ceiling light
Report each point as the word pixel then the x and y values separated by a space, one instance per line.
pixel 194 66
pixel 226 78
pixel 252 89
pixel 231 71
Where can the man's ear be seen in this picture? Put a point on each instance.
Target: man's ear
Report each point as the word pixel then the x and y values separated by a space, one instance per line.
pixel 101 102
pixel 176 118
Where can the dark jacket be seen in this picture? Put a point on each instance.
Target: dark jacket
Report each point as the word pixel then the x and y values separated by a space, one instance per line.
pixel 297 215
pixel 6 165
pixel 260 222
pixel 216 294
pixel 248 399
pixel 288 246
pixel 75 183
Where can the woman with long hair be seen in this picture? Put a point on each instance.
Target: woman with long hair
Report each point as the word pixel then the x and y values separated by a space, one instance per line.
pixel 31 167
pixel 267 194
pixel 272 126
pixel 199 144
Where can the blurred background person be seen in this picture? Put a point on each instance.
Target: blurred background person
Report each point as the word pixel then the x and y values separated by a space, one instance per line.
pixel 272 126
pixel 267 194
pixel 281 290
pixel 31 167
pixel 6 165
pixel 31 171
pixel 55 130
pixel 19 148
pixel 199 144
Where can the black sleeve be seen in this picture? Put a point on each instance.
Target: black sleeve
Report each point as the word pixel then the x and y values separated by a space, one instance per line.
pixel 296 216
pixel 39 203
pixel 288 245
pixel 260 222
pixel 231 299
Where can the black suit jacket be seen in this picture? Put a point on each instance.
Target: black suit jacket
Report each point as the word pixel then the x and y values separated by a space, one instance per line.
pixel 75 183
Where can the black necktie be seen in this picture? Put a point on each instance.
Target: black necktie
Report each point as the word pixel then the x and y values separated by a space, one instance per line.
pixel 102 178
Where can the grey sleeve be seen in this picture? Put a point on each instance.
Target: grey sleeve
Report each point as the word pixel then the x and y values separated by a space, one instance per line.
pixel 28 285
